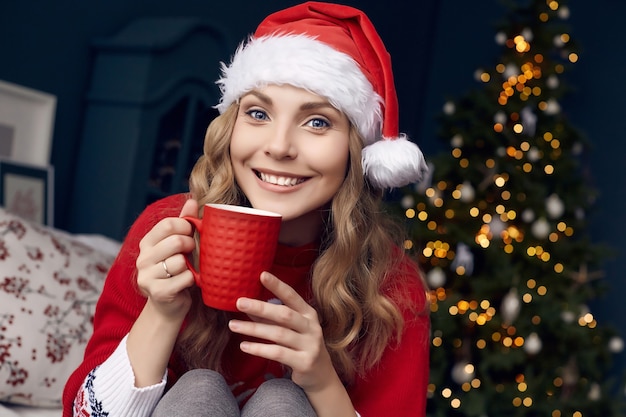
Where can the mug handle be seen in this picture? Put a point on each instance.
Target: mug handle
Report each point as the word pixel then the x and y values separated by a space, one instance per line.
pixel 197 223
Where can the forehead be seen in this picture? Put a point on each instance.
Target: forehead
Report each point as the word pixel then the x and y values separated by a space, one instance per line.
pixel 301 97
pixel 286 90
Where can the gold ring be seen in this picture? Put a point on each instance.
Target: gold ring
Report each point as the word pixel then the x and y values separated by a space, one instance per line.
pixel 167 273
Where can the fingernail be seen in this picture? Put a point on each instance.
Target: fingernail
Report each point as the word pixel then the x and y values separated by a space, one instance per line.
pixel 243 303
pixel 233 324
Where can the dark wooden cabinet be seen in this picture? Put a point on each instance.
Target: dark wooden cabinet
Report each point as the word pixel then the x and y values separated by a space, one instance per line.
pixel 150 100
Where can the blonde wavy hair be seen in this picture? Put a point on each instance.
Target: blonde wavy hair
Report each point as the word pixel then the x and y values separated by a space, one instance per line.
pixel 359 311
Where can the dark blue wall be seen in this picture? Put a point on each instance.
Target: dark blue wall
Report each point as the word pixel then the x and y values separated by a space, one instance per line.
pixel 436 46
pixel 598 107
pixel 47 46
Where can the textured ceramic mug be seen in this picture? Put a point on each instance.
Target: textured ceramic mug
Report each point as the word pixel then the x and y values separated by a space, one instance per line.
pixel 236 244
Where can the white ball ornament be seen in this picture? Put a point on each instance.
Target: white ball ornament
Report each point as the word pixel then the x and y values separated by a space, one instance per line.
pixel 595 392
pixel 500 117
pixel 577 148
pixel 554 206
pixel 511 306
pixel 496 226
pixel 563 12
pixel 449 108
pixel 568 317
pixel 510 70
pixel 456 141
pixel 552 82
pixel 462 372
pixel 407 201
pixel 464 258
pixel 616 344
pixel 528 215
pixel 533 344
pixel 436 278
pixel 529 119
pixel 558 41
pixel 500 38
pixel 533 154
pixel 467 192
pixel 552 107
pixel 527 33
pixel 540 228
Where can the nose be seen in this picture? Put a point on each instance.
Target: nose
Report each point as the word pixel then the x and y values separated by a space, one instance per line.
pixel 280 143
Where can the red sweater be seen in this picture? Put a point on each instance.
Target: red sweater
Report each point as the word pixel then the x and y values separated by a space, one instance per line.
pixel 395 386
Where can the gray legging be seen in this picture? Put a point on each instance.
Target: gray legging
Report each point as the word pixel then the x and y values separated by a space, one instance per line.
pixel 204 393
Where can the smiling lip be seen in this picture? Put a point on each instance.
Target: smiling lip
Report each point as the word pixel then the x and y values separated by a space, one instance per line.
pixel 280 180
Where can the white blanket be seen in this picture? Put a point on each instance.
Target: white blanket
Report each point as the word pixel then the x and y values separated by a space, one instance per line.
pixel 21 411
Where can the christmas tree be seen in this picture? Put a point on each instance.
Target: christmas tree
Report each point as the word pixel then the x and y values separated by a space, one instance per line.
pixel 499 229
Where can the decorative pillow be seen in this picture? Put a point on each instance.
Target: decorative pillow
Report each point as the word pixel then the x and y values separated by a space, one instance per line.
pixel 49 285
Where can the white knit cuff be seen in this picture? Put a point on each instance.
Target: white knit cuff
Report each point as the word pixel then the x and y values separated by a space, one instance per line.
pixel 114 385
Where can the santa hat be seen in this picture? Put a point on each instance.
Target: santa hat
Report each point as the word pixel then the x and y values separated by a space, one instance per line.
pixel 334 51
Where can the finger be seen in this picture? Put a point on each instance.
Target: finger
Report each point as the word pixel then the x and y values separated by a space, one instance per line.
pixel 271 352
pixel 168 289
pixel 169 226
pixel 164 290
pixel 173 265
pixel 282 315
pixel 190 208
pixel 176 238
pixel 270 332
pixel 286 294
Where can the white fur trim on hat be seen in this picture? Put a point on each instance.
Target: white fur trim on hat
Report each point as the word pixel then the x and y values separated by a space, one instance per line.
pixel 304 62
pixel 391 163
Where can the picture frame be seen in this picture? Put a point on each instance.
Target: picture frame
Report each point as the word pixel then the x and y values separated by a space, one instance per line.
pixel 27 191
pixel 26 124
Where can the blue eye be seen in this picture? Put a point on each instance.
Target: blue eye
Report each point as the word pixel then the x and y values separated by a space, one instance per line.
pixel 257 114
pixel 318 123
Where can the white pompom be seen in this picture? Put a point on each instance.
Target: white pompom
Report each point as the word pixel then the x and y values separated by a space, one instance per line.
pixel 392 163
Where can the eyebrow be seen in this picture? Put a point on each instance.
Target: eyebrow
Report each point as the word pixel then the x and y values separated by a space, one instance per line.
pixel 311 105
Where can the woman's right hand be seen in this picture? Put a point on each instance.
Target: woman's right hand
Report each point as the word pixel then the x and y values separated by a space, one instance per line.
pixel 161 252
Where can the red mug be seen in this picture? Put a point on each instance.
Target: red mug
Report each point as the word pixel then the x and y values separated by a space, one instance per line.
pixel 236 244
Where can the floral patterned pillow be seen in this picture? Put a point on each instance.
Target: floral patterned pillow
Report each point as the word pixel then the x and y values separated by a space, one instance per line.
pixel 49 285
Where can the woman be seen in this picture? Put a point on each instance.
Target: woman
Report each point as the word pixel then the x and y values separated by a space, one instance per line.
pixel 309 129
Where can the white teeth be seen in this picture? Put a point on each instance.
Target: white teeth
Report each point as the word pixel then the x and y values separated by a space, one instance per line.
pixel 284 181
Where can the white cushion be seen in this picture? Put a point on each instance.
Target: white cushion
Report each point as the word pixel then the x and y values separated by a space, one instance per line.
pixel 49 285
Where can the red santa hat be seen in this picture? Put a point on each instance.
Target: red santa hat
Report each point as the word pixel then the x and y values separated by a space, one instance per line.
pixel 334 51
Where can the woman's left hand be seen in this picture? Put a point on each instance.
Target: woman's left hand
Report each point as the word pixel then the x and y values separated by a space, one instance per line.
pixel 294 329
